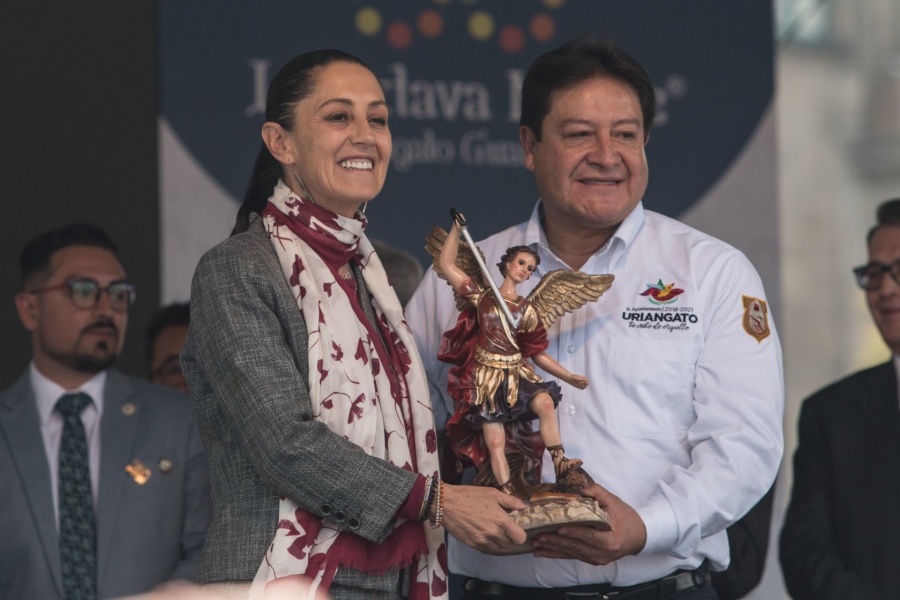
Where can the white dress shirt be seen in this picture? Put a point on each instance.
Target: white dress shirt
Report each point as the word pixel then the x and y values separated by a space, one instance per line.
pixel 46 394
pixel 682 418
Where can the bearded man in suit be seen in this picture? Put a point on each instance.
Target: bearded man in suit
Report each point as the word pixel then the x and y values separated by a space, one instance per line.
pixel 841 533
pixel 103 478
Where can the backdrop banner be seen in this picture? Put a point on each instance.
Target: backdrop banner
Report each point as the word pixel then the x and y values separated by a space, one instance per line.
pixel 452 71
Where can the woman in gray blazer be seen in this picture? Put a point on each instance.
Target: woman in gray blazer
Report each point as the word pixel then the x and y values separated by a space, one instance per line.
pixel 306 383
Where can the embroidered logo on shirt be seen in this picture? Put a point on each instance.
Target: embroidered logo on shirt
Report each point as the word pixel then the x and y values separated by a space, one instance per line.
pixel 662 293
pixel 756 318
pixel 661 316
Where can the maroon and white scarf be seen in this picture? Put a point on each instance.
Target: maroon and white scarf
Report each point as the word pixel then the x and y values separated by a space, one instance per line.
pixel 372 393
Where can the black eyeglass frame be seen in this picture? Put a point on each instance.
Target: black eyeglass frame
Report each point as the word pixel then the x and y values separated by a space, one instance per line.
pixel 870 276
pixel 111 293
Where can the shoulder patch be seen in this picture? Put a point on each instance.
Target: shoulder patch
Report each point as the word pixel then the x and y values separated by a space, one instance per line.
pixel 756 318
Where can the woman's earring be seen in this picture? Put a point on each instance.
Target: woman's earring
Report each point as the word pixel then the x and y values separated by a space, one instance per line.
pixel 302 187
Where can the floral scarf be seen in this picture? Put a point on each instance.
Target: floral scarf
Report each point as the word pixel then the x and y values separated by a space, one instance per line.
pixel 372 392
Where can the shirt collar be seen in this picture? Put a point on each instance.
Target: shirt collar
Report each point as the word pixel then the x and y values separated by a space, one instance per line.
pixel 625 232
pixel 47 392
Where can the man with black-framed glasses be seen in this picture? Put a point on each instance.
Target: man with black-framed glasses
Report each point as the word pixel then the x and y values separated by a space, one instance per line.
pixel 103 478
pixel 841 534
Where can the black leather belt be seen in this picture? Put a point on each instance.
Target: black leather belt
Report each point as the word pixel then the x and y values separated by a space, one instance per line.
pixel 653 590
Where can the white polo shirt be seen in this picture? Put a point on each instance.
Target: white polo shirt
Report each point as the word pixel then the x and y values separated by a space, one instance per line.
pixel 682 418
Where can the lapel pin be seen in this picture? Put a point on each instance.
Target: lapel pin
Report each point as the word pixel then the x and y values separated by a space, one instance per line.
pixel 165 465
pixel 128 409
pixel 138 472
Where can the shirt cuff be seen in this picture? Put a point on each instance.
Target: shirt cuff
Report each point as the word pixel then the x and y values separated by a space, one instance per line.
pixel 661 525
pixel 410 509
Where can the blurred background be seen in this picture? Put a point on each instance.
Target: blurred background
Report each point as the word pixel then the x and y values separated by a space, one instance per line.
pixel 81 138
pixel 837 65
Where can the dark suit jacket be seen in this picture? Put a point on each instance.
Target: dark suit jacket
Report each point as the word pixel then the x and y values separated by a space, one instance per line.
pixel 146 534
pixel 841 535
pixel 245 362
pixel 748 542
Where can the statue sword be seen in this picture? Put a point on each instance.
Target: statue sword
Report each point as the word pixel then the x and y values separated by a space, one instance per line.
pixel 458 218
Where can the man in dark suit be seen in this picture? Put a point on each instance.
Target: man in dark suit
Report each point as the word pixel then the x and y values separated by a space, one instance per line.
pixel 103 481
pixel 841 534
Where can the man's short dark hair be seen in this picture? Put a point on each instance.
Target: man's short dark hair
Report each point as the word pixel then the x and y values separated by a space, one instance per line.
pixel 888 213
pixel 578 60
pixel 34 261
pixel 170 315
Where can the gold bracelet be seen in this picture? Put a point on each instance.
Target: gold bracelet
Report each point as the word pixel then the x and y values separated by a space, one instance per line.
pixel 423 510
pixel 439 507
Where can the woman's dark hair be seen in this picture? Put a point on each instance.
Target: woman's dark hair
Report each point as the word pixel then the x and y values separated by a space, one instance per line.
pixel 293 82
pixel 583 58
pixel 514 251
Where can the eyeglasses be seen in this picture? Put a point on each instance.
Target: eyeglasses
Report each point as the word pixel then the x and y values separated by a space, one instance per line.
pixel 869 276
pixel 85 293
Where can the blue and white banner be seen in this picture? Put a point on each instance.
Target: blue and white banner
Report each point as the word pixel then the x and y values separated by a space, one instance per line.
pixel 452 71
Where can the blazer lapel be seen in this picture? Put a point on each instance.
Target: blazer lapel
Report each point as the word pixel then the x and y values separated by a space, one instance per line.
pixel 117 429
pixel 879 402
pixel 22 427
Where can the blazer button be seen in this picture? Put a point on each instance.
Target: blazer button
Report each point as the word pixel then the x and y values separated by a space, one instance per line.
pixel 353 523
pixel 325 509
pixel 339 516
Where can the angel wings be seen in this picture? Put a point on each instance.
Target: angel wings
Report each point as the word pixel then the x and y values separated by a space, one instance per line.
pixel 558 292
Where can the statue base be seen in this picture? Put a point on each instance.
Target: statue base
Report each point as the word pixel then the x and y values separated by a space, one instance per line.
pixel 549 512
pixel 550 505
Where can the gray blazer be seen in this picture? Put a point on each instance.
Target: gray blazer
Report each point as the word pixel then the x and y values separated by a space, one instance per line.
pixel 146 534
pixel 245 362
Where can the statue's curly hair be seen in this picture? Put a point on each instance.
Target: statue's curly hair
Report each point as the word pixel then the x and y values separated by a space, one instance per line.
pixel 512 252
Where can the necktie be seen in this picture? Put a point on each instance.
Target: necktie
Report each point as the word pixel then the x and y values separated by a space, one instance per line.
pixel 77 534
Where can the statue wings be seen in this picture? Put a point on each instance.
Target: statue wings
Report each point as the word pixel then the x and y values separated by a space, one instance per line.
pixel 558 292
pixel 465 260
pixel 564 290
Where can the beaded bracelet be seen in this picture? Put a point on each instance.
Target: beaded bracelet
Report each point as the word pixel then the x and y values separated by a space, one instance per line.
pixel 432 494
pixel 426 498
pixel 439 507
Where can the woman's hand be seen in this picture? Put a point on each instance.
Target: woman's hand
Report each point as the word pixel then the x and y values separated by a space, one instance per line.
pixel 477 516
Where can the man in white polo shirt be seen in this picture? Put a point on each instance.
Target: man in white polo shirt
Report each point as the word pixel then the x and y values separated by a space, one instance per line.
pixel 681 423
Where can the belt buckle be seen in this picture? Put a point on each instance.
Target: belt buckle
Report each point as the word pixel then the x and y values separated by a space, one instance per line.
pixel 577 595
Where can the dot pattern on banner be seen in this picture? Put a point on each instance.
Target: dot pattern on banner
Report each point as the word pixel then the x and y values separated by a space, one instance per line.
pixel 480 26
pixel 430 23
pixel 399 35
pixel 511 39
pixel 368 21
pixel 542 27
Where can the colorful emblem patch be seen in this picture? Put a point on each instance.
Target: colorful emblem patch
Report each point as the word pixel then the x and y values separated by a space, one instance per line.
pixel 756 318
pixel 662 293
